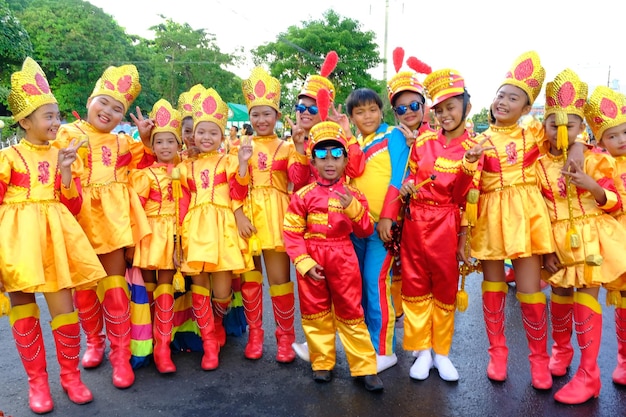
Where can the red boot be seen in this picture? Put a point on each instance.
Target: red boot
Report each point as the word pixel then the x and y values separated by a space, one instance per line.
pixel 535 319
pixel 619 374
pixel 586 382
pixel 162 328
pixel 203 312
pixel 116 306
pixel 66 332
pixel 92 322
pixel 252 299
pixel 220 309
pixel 29 342
pixel 494 298
pixel 283 301
pixel 561 310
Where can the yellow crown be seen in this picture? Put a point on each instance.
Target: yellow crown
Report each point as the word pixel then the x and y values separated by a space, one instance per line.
pixel 605 109
pixel 209 107
pixel 120 83
pixel 185 100
pixel 326 131
pixel 29 90
pixel 527 74
pixel 566 94
pixel 166 119
pixel 261 89
pixel 443 84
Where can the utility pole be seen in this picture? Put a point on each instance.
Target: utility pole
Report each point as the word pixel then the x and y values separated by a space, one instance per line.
pixel 385 40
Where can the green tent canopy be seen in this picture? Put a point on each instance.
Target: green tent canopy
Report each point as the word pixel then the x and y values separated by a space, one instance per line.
pixel 237 113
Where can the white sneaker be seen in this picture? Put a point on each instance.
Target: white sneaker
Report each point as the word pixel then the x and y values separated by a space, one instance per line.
pixel 421 368
pixel 302 350
pixel 447 371
pixel 385 362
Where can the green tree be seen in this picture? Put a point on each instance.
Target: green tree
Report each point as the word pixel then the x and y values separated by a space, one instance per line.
pixel 182 57
pixel 15 45
pixel 300 51
pixel 481 120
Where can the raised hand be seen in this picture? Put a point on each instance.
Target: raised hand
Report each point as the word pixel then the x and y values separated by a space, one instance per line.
pixel 144 126
pixel 341 119
pixel 472 155
pixel 409 135
pixel 68 155
pixel 344 199
pixel 297 131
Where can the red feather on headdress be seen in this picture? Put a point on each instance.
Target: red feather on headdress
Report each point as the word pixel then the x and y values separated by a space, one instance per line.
pixel 418 66
pixel 323 102
pixel 398 57
pixel 329 64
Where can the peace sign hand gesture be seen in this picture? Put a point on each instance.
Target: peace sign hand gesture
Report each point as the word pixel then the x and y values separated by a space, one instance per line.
pixel 472 155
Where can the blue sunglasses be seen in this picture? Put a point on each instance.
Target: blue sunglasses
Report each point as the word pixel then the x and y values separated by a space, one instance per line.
pixel 414 106
pixel 301 108
pixel 323 153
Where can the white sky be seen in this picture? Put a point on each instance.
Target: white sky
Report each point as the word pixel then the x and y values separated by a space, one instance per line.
pixel 479 38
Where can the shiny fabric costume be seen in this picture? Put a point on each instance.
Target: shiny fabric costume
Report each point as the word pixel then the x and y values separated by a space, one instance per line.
pixel 430 270
pixel 111 216
pixel 600 234
pixel 386 155
pixel 317 230
pixel 214 190
pixel 512 217
pixel 43 248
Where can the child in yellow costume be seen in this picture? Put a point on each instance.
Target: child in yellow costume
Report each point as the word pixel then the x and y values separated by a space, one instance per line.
pixel 43 248
pixel 111 216
pixel 606 115
pixel 274 164
pixel 588 240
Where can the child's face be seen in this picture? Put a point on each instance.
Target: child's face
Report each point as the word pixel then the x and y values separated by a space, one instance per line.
pixel 509 105
pixel 330 162
pixel 449 114
pixel 165 147
pixel 367 117
pixel 41 126
pixel 208 136
pixel 575 127
pixel 187 131
pixel 614 140
pixel 308 119
pixel 405 103
pixel 104 113
pixel 263 120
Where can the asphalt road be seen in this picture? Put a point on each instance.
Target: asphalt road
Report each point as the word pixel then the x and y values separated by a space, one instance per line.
pixel 240 387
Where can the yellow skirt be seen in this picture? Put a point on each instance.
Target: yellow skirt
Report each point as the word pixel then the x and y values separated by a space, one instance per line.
pixel 44 249
pixel 112 217
pixel 156 251
pixel 269 206
pixel 620 283
pixel 211 241
pixel 601 239
pixel 512 223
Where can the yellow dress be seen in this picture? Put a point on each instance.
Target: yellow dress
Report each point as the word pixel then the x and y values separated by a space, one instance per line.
pixel 600 234
pixel 111 216
pixel 620 184
pixel 42 247
pixel 211 240
pixel 153 185
pixel 274 164
pixel 513 221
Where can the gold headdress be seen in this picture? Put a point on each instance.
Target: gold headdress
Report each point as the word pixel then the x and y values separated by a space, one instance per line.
pixel 209 107
pixel 29 90
pixel 120 83
pixel 527 74
pixel 315 82
pixel 166 119
pixel 261 89
pixel 566 94
pixel 406 80
pixel 605 109
pixel 442 84
pixel 185 100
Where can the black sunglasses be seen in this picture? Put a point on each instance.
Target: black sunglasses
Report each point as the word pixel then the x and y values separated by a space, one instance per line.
pixel 414 106
pixel 301 108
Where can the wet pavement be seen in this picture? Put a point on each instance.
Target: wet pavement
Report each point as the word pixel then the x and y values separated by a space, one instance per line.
pixel 240 387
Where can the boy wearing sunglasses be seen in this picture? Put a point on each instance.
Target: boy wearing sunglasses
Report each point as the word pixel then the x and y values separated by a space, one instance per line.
pixel 430 277
pixel 317 227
